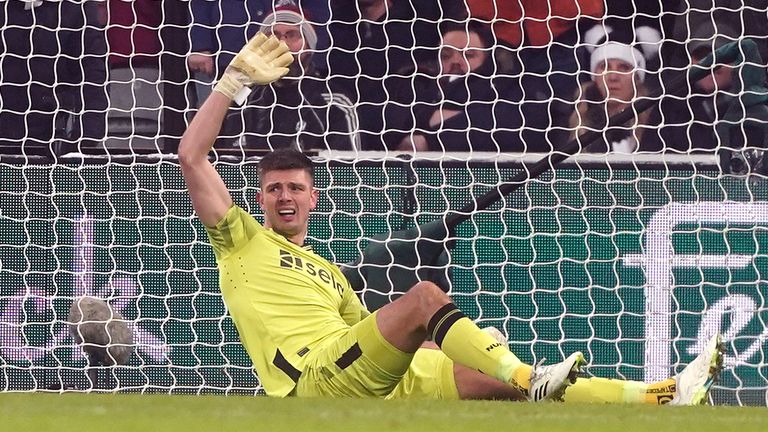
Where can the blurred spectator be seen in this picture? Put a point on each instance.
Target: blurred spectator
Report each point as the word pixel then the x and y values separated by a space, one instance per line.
pixel 729 18
pixel 136 86
pixel 701 27
pixel 221 28
pixel 534 23
pixel 53 62
pixel 720 86
pixel 689 120
pixel 705 42
pixel 301 110
pixel 374 39
pixel 459 105
pixel 618 67
pixel 133 33
pixel 538 43
pixel 660 14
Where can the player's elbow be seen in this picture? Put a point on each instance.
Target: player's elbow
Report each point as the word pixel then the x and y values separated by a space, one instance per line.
pixel 188 156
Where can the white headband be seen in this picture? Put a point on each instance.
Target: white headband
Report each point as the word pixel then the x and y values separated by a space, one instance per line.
pixel 614 50
pixel 292 17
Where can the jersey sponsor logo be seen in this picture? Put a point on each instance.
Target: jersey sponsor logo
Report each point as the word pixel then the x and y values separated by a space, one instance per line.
pixel 291 261
pixel 668 389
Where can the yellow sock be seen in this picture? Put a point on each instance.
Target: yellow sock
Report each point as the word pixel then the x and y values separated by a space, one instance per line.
pixel 464 343
pixel 595 390
pixel 617 391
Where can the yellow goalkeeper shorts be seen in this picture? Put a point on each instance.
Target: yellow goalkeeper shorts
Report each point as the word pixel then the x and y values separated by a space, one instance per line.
pixel 363 364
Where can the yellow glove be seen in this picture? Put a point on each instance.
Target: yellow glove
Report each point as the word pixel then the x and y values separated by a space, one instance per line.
pixel 263 60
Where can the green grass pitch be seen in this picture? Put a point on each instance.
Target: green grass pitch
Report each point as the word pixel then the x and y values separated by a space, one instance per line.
pixel 165 413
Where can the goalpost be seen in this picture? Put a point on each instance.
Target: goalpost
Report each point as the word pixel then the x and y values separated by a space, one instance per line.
pixel 633 259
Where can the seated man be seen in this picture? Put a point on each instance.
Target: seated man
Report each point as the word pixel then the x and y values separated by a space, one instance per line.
pixel 456 105
pixel 305 329
pixel 303 110
pixel 690 121
pixel 374 40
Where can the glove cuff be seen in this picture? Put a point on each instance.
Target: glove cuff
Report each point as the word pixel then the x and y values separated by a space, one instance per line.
pixel 229 86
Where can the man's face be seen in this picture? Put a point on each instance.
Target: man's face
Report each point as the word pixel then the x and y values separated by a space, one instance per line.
pixel 293 37
pixel 290 34
pixel 616 80
pixel 287 197
pixel 461 53
pixel 720 79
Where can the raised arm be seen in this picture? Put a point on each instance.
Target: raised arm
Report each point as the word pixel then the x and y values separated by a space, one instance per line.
pixel 262 61
pixel 209 195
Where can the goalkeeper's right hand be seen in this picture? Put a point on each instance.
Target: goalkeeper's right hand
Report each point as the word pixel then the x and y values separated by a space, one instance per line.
pixel 263 60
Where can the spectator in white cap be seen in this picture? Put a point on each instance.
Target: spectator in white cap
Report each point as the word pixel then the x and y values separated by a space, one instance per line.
pixel 220 28
pixel 303 110
pixel 618 68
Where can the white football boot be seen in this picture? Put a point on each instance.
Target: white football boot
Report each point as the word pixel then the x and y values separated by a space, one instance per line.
pixel 693 383
pixel 548 383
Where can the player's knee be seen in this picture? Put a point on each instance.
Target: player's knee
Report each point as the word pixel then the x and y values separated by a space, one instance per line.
pixel 430 295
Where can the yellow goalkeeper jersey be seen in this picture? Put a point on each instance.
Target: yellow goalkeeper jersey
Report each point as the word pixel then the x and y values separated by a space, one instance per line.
pixel 285 299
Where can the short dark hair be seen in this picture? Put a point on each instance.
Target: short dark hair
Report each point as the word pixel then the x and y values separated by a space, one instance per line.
pixel 481 29
pixel 285 159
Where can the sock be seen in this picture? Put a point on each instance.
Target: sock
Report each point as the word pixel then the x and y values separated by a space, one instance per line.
pixel 617 391
pixel 464 343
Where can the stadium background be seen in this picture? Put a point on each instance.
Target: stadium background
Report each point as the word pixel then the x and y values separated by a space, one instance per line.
pixel 555 265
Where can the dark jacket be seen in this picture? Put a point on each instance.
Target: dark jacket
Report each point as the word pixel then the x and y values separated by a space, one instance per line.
pixel 489 117
pixel 689 123
pixel 53 77
pixel 308 113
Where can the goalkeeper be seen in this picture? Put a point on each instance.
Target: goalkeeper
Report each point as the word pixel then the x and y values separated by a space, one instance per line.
pixel 305 329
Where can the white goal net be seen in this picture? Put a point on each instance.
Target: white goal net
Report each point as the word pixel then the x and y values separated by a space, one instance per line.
pixel 634 251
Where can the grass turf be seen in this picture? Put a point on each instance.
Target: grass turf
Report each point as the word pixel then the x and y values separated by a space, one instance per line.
pixel 164 413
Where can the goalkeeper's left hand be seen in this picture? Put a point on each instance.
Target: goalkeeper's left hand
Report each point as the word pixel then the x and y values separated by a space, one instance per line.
pixel 263 60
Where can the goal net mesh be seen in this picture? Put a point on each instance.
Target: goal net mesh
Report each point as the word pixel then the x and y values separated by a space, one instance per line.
pixel 633 253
